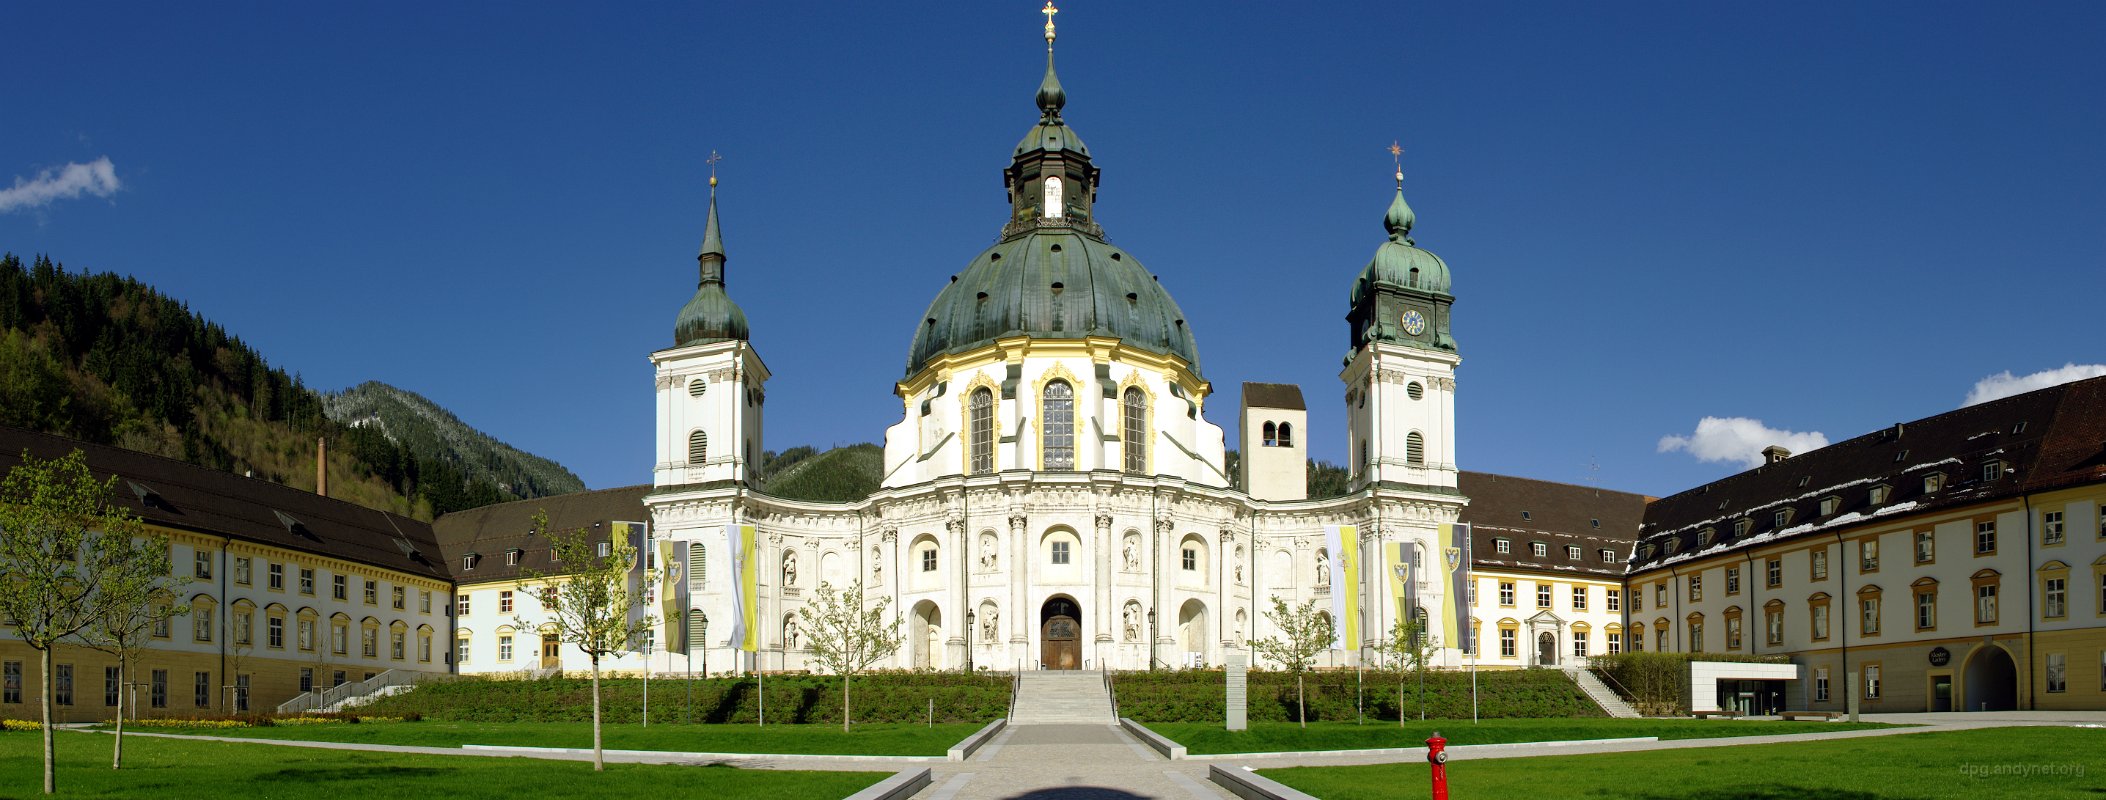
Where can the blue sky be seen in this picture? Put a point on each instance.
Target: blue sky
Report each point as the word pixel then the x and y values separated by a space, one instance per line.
pixel 1825 217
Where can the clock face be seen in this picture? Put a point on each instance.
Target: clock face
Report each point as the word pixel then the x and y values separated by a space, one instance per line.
pixel 1414 322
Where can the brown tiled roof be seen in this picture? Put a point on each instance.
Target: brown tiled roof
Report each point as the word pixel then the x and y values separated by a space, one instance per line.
pixel 2050 437
pixel 1273 395
pixel 492 531
pixel 1525 511
pixel 181 496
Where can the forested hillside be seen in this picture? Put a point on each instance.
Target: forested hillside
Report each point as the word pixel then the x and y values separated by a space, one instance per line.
pixel 110 360
pixel 413 421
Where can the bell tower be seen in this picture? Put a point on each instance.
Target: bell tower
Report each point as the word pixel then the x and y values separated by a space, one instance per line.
pixel 1400 368
pixel 710 382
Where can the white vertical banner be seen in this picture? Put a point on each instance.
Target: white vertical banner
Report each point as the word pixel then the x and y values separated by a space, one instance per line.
pixel 1343 543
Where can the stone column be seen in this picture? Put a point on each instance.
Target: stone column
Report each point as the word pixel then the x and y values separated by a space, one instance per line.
pixel 954 645
pixel 885 556
pixel 1106 615
pixel 1166 565
pixel 1219 618
pixel 1022 617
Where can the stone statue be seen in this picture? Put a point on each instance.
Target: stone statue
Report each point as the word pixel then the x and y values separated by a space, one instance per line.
pixel 1133 559
pixel 1239 573
pixel 990 624
pixel 987 553
pixel 789 568
pixel 789 633
pixel 1323 568
pixel 877 565
pixel 1133 622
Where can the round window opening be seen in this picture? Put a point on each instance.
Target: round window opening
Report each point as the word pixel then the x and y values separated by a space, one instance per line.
pixel 1415 390
pixel 696 387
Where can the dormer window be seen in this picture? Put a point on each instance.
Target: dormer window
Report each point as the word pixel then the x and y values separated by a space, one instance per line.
pixel 1053 208
pixel 1992 470
pixel 512 558
pixel 1674 546
pixel 1741 526
pixel 1502 545
pixel 1830 504
pixel 468 561
pixel 1704 537
pixel 1608 556
pixel 1783 517
pixel 1539 549
pixel 1879 493
pixel 1572 552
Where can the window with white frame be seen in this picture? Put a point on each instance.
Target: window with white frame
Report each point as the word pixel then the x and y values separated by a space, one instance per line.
pixel 504 602
pixel 1926 547
pixel 1871 681
pixel 1985 537
pixel 1539 549
pixel 1502 545
pixel 1696 588
pixel 1506 643
pixel 1542 595
pixel 1732 580
pixel 201 564
pixel 1608 556
pixel 1820 684
pixel 1572 552
pixel 1773 573
pixel 1579 644
pixel 1985 604
pixel 2051 527
pixel 1506 593
pixel 2055 593
pixel 1060 551
pixel 1992 470
pixel 1579 598
pixel 1615 599
pixel 1615 640
pixel 2057 673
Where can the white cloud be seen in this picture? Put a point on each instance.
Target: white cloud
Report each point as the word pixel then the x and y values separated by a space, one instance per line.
pixel 98 177
pixel 1739 439
pixel 2004 384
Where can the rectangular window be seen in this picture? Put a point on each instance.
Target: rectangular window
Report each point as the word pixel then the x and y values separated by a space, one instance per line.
pixel 1985 604
pixel 928 560
pixel 1773 573
pixel 2056 593
pixel 201 624
pixel 372 593
pixel 1615 643
pixel 201 691
pixel 1190 559
pixel 1696 588
pixel 1660 595
pixel 460 651
pixel 604 549
pixel 1506 643
pixel 1062 556
pixel 306 580
pixel 1732 633
pixel 461 604
pixel 1660 639
pixel 336 678
pixel 1773 625
pixel 1870 625
pixel 307 634
pixel 1985 537
pixel 1615 599
pixel 396 642
pixel 339 587
pixel 504 648
pixel 1926 547
pixel 276 575
pixel 201 564
pixel 1579 644
pixel 1502 545
pixel 1638 599
pixel 1696 636
pixel 399 599
pixel 369 643
pixel 2057 673
pixel 512 558
pixel 159 694
pixel 424 601
pixel 1820 623
pixel 241 570
pixel 1506 593
pixel 1926 610
pixel 274 629
pixel 1473 594
pixel 1818 563
pixel 424 647
pixel 1571 552
pixel 112 686
pixel 504 602
pixel 1542 595
pixel 1868 555
pixel 1732 580
pixel 243 627
pixel 340 637
pixel 161 628
pixel 1538 549
pixel 1608 556
pixel 1871 681
pixel 1579 598
pixel 1820 685
pixel 2051 527
pixel 62 684
pixel 241 693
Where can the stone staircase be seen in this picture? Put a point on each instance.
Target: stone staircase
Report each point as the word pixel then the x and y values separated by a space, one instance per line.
pixel 1058 697
pixel 1600 693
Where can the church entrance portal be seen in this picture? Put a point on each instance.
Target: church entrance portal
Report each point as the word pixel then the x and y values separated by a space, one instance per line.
pixel 1991 680
pixel 1060 632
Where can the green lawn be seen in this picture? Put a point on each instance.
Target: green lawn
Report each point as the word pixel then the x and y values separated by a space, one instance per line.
pixel 1269 737
pixel 877 739
pixel 167 769
pixel 2000 762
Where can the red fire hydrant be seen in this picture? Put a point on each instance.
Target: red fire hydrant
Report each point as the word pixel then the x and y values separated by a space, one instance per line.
pixel 1437 756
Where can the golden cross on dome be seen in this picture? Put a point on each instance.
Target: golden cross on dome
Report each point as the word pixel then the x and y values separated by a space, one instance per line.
pixel 1049 11
pixel 1396 153
pixel 712 162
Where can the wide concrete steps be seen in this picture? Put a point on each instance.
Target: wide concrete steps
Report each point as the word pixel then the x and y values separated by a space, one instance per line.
pixel 1601 694
pixel 1062 698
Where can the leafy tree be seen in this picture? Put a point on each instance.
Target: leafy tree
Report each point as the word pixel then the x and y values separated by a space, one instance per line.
pixel 589 602
pixel 61 542
pixel 133 604
pixel 1407 645
pixel 1326 479
pixel 1305 633
pixel 846 636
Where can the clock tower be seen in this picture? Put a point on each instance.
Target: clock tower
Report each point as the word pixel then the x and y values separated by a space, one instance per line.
pixel 1400 370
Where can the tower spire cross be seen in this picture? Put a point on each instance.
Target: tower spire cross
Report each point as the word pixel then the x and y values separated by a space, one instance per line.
pixel 712 162
pixel 1049 11
pixel 1396 154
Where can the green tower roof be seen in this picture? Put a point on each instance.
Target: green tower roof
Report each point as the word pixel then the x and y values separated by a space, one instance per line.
pixel 710 316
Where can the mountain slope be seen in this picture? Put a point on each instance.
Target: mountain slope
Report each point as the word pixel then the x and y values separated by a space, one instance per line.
pixel 841 475
pixel 411 420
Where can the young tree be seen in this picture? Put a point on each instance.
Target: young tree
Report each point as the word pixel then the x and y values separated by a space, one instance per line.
pixel 1407 645
pixel 1305 633
pixel 61 542
pixel 589 602
pixel 134 603
pixel 846 636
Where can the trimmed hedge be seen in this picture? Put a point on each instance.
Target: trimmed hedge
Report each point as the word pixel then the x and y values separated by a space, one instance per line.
pixel 1200 695
pixel 880 697
pixel 1657 684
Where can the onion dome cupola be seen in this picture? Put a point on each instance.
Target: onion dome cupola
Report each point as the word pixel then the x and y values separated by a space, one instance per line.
pixel 710 316
pixel 1402 296
pixel 1051 274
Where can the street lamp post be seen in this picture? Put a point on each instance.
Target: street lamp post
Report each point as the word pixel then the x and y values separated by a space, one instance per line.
pixel 971 631
pixel 1151 639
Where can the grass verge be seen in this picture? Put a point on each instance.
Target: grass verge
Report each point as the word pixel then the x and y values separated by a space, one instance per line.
pixel 876 739
pixel 1270 737
pixel 174 769
pixel 2043 762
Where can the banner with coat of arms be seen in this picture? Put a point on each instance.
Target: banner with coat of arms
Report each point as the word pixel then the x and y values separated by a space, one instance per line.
pixel 1344 542
pixel 1454 542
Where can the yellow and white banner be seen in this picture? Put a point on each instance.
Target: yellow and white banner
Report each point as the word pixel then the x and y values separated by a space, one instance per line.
pixel 745 597
pixel 1401 568
pixel 1455 566
pixel 1344 541
pixel 672 593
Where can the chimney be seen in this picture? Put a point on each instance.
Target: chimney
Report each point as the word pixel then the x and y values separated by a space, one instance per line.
pixel 1773 454
pixel 321 466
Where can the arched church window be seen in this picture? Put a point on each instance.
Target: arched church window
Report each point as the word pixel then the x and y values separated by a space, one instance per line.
pixel 1053 208
pixel 698 448
pixel 1136 430
pixel 1415 448
pixel 1058 437
pixel 981 410
pixel 1286 434
pixel 1272 434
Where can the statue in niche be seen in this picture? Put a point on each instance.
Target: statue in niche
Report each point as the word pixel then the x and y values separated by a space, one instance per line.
pixel 1239 573
pixel 990 624
pixel 789 568
pixel 1132 553
pixel 877 565
pixel 789 633
pixel 987 552
pixel 1323 568
pixel 1242 621
pixel 1132 618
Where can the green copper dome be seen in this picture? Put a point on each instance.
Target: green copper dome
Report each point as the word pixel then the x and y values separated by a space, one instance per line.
pixel 1399 262
pixel 710 316
pixel 1052 275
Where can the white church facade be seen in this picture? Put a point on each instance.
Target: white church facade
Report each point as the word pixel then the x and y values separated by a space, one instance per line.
pixel 1053 495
